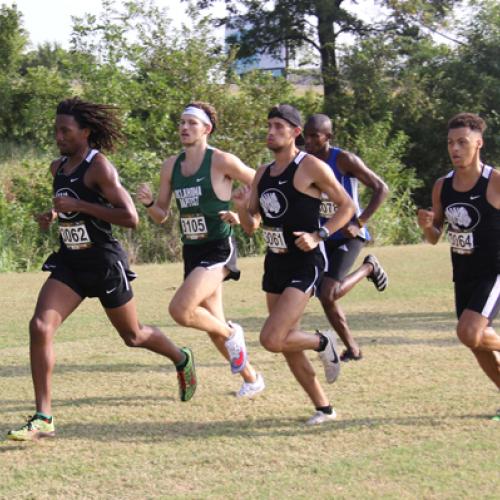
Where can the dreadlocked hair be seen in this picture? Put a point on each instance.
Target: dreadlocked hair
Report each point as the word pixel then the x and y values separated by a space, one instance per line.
pixel 100 119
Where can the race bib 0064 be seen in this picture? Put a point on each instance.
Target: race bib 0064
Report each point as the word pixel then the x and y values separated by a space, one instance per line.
pixel 461 243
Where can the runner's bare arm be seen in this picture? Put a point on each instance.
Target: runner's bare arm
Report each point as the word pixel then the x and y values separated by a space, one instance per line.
pixel 160 209
pixel 493 190
pixel 431 221
pixel 354 166
pixel 322 177
pixel 246 201
pixel 45 219
pixel 103 178
pixel 235 169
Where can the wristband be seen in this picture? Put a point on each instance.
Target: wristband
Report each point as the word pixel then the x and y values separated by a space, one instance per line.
pixel 149 205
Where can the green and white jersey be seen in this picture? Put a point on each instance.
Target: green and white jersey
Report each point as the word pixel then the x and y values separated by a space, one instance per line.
pixel 198 204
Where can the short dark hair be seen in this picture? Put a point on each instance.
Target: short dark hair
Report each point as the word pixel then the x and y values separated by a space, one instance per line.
pixel 101 119
pixel 470 120
pixel 209 110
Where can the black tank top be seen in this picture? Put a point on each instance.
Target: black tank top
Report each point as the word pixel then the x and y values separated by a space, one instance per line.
pixel 84 239
pixel 285 210
pixel 473 229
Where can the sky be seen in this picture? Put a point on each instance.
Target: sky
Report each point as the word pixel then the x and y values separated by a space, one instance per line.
pixel 50 20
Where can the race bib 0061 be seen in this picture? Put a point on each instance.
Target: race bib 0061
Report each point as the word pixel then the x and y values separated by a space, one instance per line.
pixel 275 239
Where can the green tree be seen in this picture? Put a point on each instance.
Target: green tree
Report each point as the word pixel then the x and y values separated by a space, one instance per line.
pixel 291 24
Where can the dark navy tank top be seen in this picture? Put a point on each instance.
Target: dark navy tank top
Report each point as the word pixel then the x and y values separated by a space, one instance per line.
pixel 84 239
pixel 285 210
pixel 350 184
pixel 473 229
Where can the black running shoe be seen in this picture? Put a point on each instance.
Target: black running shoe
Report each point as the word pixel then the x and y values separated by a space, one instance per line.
pixel 378 276
pixel 348 355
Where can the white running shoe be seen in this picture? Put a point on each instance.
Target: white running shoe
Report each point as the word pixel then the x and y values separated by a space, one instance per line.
pixel 236 348
pixel 320 418
pixel 251 389
pixel 330 358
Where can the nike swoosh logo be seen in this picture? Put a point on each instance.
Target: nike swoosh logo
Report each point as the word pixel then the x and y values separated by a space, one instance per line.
pixel 200 179
pixel 282 182
pixel 111 291
pixel 73 180
pixel 296 281
pixel 475 197
pixel 335 357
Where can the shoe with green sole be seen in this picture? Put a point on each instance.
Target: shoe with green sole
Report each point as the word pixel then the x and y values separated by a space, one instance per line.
pixel 35 428
pixel 186 376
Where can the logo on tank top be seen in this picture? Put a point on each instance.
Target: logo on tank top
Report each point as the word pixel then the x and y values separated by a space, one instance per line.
pixel 67 192
pixel 189 196
pixel 462 216
pixel 273 203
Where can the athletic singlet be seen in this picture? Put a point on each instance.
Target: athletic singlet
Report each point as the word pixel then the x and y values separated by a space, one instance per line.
pixel 350 184
pixel 473 229
pixel 83 238
pixel 285 210
pixel 198 204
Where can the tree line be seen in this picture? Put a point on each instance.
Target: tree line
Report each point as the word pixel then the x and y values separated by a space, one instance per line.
pixel 389 94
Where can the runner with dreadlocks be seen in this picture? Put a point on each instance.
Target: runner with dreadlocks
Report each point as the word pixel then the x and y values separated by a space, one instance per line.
pixel 88 199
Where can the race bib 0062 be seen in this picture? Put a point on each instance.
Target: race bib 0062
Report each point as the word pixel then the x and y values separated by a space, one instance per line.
pixel 75 236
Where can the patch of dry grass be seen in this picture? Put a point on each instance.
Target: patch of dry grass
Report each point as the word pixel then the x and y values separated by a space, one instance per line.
pixel 413 415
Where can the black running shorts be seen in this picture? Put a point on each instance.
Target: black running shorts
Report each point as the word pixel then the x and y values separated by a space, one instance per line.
pixel 342 254
pixel 111 284
pixel 211 255
pixel 481 295
pixel 303 271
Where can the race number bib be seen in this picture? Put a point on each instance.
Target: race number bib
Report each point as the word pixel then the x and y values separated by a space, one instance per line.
pixel 327 208
pixel 461 243
pixel 75 236
pixel 275 239
pixel 194 226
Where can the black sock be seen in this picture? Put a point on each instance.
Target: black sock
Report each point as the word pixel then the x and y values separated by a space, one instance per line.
pixel 182 364
pixel 44 416
pixel 323 342
pixel 325 409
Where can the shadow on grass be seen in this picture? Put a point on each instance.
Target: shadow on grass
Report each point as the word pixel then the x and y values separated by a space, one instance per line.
pixel 383 326
pixel 27 406
pixel 282 427
pixel 401 321
pixel 24 370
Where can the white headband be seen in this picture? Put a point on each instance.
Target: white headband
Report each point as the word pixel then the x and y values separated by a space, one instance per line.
pixel 199 113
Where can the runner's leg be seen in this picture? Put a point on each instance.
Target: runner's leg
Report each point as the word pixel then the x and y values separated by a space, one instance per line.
pixel 186 305
pixel 335 314
pixel 56 301
pixel 474 331
pixel 214 305
pixel 124 319
pixel 297 360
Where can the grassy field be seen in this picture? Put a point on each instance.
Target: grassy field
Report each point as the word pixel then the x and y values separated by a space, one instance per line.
pixel 412 415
